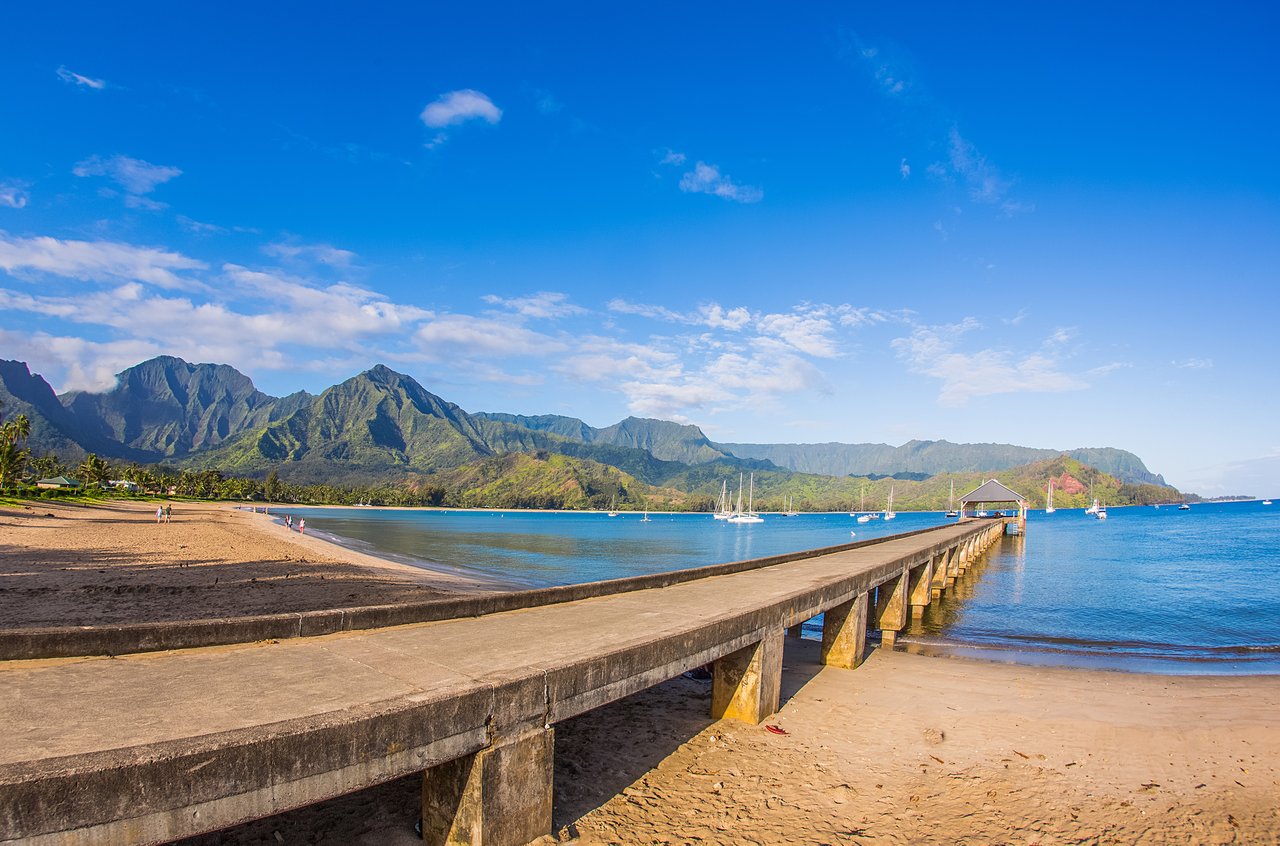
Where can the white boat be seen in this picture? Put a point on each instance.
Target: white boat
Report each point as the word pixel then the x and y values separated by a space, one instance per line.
pixel 1048 503
pixel 791 509
pixel 864 518
pixel 951 501
pixel 1092 509
pixel 645 518
pixel 1184 507
pixel 722 507
pixel 889 513
pixel 863 507
pixel 1266 502
pixel 748 516
pixel 982 510
pixel 1101 513
pixel 613 507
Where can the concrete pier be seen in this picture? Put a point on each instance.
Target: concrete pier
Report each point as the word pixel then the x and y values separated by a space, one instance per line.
pixel 152 747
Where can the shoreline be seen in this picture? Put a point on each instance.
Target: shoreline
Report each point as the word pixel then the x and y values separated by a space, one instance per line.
pixel 73 565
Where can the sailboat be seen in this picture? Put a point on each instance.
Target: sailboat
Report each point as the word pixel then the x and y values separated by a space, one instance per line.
pixel 722 507
pixel 1092 509
pixel 748 516
pixel 790 510
pixel 889 513
pixel 1048 503
pixel 1101 513
pixel 863 516
pixel 613 507
pixel 951 501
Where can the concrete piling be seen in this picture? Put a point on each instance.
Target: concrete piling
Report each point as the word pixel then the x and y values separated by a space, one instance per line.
pixel 747 684
pixel 844 633
pixel 500 796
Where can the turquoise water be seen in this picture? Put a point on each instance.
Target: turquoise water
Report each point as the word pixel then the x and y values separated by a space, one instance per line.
pixel 1156 590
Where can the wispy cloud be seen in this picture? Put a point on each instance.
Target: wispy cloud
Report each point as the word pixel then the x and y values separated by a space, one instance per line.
pixel 97 261
pixel 455 107
pixel 673 158
pixel 932 351
pixel 544 304
pixel 13 194
pixel 72 78
pixel 707 179
pixel 325 254
pixel 450 337
pixel 135 176
pixel 888 76
pixel 1195 364
pixel 904 169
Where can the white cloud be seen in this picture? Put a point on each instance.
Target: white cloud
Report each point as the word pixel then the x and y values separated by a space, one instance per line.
pixel 99 261
pixel 707 179
pixel 985 183
pixel 544 304
pixel 457 107
pixel 671 157
pixel 13 194
pixel 904 169
pixel 72 78
pixel 931 351
pixel 454 336
pixel 198 227
pixel 325 254
pixel 1195 364
pixel 134 175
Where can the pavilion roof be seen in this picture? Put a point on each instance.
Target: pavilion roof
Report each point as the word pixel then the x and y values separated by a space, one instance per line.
pixel 992 491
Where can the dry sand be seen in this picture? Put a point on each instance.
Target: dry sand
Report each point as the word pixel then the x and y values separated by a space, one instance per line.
pixel 905 750
pixel 78 565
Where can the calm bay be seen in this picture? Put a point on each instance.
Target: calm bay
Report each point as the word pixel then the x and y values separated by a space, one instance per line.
pixel 1147 590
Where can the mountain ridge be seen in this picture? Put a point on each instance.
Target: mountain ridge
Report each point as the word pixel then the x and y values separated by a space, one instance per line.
pixel 211 416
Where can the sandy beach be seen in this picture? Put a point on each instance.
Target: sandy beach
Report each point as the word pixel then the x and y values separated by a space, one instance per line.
pixel 907 749
pixel 78 565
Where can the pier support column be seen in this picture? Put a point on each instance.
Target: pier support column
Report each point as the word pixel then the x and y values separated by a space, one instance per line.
pixel 844 633
pixel 795 631
pixel 500 796
pixel 953 565
pixel 919 588
pixel 747 685
pixel 891 608
pixel 939 581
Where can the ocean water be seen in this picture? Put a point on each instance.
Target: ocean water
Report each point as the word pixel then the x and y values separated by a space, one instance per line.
pixel 1147 590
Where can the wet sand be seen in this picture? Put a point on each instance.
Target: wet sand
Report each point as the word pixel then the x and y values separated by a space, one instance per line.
pixel 77 565
pixel 907 749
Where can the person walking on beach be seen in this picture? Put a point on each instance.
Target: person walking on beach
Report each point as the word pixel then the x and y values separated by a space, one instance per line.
pixel 168 512
pixel 159 514
pixel 302 526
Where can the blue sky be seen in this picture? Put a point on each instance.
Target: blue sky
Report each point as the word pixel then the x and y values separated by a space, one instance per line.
pixel 846 222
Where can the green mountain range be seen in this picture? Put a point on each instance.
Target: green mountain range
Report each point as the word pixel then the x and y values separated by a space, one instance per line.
pixel 381 426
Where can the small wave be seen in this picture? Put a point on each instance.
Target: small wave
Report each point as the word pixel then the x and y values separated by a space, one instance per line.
pixel 1110 648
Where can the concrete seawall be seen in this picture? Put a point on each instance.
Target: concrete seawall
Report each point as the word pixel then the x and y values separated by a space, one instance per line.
pixel 152 747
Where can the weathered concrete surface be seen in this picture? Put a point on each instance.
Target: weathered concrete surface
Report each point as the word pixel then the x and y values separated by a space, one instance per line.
pixel 844 633
pixel 500 796
pixel 746 684
pixel 151 747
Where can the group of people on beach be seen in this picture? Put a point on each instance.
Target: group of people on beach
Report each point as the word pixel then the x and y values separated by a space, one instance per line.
pixel 164 513
pixel 302 524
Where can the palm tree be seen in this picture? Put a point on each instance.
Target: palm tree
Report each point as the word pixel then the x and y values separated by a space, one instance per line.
pixel 93 470
pixel 13 459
